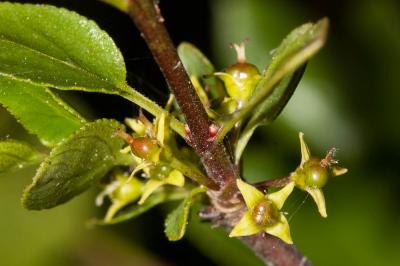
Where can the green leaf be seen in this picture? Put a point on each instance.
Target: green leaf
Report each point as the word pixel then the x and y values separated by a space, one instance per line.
pixel 295 50
pixel 120 4
pixel 39 110
pixel 161 196
pixel 269 109
pixel 16 155
pixel 198 65
pixel 297 47
pixel 55 47
pixel 194 61
pixel 75 164
pixel 175 224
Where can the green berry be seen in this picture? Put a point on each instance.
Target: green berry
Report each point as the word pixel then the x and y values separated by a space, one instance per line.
pixel 316 176
pixel 128 192
pixel 145 148
pixel 242 71
pixel 245 77
pixel 160 171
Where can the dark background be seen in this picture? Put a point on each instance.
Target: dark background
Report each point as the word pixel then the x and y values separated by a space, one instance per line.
pixel 349 99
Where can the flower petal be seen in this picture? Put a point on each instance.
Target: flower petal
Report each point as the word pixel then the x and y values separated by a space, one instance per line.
pixel 136 125
pixel 175 178
pixel 319 199
pixel 338 171
pixel 161 129
pixel 281 230
pixel 149 188
pixel 245 227
pixel 305 151
pixel 113 209
pixel 126 150
pixel 250 194
pixel 232 87
pixel 139 167
pixel 107 191
pixel 279 197
pixel 170 103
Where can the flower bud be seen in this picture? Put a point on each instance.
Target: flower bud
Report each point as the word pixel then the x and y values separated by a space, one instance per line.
pixel 128 192
pixel 160 171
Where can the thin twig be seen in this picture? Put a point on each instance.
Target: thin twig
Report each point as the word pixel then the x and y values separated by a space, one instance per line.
pixel 274 251
pixel 278 182
pixel 151 107
pixel 147 17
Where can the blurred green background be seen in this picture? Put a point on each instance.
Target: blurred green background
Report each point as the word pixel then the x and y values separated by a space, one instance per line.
pixel 349 98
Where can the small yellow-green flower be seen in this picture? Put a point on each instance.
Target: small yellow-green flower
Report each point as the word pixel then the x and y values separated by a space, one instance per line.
pixel 157 154
pixel 161 174
pixel 122 191
pixel 263 212
pixel 241 78
pixel 152 142
pixel 313 174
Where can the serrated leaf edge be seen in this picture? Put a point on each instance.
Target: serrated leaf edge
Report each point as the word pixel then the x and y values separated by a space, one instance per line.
pixel 35 179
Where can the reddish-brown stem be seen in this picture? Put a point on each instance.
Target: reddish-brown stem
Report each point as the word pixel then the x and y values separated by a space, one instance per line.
pixel 278 182
pixel 216 160
pixel 274 251
pixel 147 17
